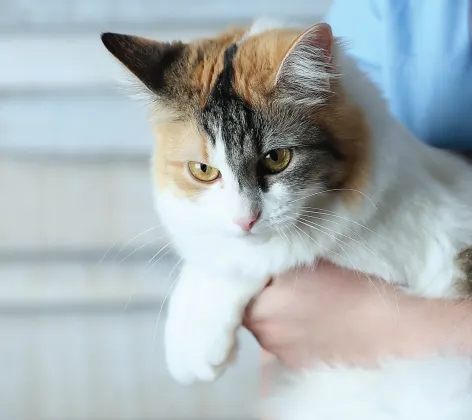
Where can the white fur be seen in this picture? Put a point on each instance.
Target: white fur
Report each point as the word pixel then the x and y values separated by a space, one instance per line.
pixel 434 388
pixel 416 219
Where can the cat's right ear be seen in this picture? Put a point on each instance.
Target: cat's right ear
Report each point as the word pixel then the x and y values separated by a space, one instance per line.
pixel 155 64
pixel 307 70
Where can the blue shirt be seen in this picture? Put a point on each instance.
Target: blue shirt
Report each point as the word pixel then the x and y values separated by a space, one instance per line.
pixel 419 53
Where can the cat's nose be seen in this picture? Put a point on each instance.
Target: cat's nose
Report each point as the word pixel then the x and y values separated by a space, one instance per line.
pixel 248 222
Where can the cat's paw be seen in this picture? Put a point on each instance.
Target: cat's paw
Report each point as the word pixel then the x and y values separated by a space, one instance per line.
pixel 201 326
pixel 197 349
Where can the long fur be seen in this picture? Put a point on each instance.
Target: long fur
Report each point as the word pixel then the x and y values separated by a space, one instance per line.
pixel 409 225
pixel 433 388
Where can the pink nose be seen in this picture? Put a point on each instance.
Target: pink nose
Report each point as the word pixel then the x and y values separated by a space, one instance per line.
pixel 247 223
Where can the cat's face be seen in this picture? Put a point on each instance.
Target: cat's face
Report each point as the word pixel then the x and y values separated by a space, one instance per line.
pixel 251 129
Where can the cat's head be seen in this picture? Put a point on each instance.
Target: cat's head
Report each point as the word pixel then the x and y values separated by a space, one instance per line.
pixel 251 126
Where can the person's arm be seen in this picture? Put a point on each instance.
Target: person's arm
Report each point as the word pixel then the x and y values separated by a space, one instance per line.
pixel 333 315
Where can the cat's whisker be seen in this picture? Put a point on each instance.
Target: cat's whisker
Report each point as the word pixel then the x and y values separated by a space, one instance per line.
pixel 292 225
pixel 319 228
pixel 278 231
pixel 334 190
pixel 149 265
pixel 395 294
pixel 140 247
pixel 169 290
pixel 334 214
pixel 133 292
pixel 282 235
pixel 106 253
pixel 338 241
pixel 368 247
pixel 136 237
pixel 125 244
pixel 293 251
pixel 265 223
pixel 288 240
pixel 322 229
pixel 300 236
pixel 149 268
pixel 364 244
pixel 316 214
pixel 316 242
pixel 309 217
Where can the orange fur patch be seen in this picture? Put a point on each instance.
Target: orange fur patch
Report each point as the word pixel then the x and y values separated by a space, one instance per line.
pixel 177 143
pixel 346 124
pixel 211 54
pixel 257 62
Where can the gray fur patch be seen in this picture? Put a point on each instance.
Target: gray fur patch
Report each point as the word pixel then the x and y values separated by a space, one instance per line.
pixel 248 134
pixel 464 261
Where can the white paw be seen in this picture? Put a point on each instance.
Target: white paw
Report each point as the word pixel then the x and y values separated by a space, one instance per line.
pixel 200 331
pixel 196 351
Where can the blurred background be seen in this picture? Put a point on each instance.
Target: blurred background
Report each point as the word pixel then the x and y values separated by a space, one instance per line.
pixel 77 227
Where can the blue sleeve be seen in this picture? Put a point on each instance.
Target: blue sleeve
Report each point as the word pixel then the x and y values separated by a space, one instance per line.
pixel 419 53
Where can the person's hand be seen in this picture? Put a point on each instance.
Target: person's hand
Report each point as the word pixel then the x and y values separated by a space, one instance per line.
pixel 333 315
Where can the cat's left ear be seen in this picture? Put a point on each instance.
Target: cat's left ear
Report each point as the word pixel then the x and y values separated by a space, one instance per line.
pixel 157 64
pixel 307 70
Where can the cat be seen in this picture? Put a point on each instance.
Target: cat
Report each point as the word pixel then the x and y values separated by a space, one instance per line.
pixel 274 150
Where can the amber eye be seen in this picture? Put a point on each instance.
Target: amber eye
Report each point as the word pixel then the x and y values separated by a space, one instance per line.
pixel 203 172
pixel 276 160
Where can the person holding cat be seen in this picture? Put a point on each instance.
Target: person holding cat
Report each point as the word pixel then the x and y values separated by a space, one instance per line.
pixel 418 54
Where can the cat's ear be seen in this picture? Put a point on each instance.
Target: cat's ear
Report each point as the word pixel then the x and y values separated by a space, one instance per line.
pixel 307 70
pixel 156 64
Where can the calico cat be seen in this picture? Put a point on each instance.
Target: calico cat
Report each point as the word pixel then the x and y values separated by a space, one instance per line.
pixel 274 150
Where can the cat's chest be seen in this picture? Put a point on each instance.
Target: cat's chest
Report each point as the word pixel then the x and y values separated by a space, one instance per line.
pixel 248 258
pixel 391 257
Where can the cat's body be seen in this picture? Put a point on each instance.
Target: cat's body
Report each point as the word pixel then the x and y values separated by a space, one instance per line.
pixel 405 217
pixel 363 193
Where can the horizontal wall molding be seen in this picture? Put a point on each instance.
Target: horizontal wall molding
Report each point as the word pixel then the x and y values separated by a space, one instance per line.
pixel 77 284
pixel 93 122
pixel 82 308
pixel 89 255
pixel 68 205
pixel 59 14
pixel 49 61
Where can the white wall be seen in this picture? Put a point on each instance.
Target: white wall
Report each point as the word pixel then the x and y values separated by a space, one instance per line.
pixel 73 181
pixel 58 82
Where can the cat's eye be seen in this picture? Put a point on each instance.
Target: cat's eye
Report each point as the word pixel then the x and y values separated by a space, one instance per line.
pixel 203 172
pixel 276 160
